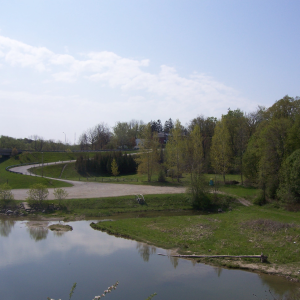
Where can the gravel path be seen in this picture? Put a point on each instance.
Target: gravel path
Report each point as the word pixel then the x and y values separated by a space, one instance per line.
pixel 95 189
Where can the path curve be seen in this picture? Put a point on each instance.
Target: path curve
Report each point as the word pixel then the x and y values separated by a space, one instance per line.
pixel 94 189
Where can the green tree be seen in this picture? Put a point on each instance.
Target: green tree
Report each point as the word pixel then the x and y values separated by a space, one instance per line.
pixel 60 194
pixel 207 127
pixel 14 152
pixel 289 190
pixel 238 129
pixel 220 149
pixel 38 192
pixel 5 194
pixel 114 168
pixel 175 150
pixel 148 153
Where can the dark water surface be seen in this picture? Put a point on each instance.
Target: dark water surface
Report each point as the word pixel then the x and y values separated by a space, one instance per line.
pixel 39 263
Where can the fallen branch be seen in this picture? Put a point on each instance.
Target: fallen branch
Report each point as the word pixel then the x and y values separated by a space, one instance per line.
pixel 262 257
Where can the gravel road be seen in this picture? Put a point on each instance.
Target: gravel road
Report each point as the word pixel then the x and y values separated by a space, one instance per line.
pixel 95 189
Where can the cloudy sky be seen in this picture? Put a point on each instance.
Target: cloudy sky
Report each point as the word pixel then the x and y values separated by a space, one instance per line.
pixel 67 65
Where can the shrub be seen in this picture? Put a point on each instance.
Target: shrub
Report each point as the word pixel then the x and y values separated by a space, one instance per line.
pixel 161 176
pixel 60 194
pixel 38 193
pixel 198 192
pixel 6 195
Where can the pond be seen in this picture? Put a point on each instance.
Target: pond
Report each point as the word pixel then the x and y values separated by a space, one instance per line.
pixel 36 263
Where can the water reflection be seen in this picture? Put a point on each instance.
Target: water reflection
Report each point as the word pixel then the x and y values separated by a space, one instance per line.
pixel 6 227
pixel 174 261
pixel 88 257
pixel 38 233
pixel 276 284
pixel 218 271
pixel 145 250
pixel 58 233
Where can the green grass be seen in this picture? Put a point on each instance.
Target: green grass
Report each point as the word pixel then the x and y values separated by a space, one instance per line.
pixel 99 207
pixel 234 233
pixel 18 181
pixel 240 191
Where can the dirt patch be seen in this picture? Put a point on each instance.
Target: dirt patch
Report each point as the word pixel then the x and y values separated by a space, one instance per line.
pixel 60 227
pixel 265 225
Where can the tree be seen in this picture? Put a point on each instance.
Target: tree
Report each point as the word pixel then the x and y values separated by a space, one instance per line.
pixel 207 127
pixel 289 190
pixel 168 126
pixel 114 168
pixel 38 192
pixel 60 194
pixel 175 150
pixel 220 150
pixel 5 194
pixel 122 137
pixel 148 153
pixel 14 152
pixel 237 126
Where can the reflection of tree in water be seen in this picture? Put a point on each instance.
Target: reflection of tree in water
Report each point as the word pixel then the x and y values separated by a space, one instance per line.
pixel 174 261
pixel 58 233
pixel 38 233
pixel 145 250
pixel 278 285
pixel 6 227
pixel 218 270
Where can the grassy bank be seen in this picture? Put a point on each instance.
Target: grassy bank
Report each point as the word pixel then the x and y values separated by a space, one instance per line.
pixel 242 231
pixel 108 206
pixel 18 181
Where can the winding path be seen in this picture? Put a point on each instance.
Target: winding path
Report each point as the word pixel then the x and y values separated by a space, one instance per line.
pixel 94 189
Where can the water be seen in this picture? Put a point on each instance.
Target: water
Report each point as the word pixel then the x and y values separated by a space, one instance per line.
pixel 39 263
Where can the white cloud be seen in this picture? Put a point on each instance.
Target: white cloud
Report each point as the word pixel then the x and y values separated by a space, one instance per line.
pixel 138 93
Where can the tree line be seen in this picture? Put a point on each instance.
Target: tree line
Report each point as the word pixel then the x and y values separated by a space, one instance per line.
pixel 102 163
pixel 263 147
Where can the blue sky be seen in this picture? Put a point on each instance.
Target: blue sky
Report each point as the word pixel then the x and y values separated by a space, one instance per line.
pixel 67 65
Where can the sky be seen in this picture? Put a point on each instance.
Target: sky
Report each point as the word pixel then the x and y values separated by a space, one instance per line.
pixel 68 65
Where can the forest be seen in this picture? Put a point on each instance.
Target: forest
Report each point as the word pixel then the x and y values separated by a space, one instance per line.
pixel 262 146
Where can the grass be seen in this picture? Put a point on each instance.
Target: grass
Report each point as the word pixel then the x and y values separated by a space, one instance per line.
pixel 107 206
pixel 18 181
pixel 237 232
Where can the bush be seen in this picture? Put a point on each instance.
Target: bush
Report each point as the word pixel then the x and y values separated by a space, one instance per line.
pixel 260 199
pixel 38 193
pixel 289 189
pixel 6 195
pixel 198 192
pixel 161 176
pixel 60 194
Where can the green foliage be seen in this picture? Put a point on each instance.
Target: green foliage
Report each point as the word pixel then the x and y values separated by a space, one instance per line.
pixel 260 199
pixel 161 176
pixel 148 154
pixel 14 152
pixel 38 192
pixel 198 192
pixel 72 290
pixel 289 190
pixel 60 194
pixel 6 195
pixel 221 154
pixel 114 168
pixel 102 163
pixel 175 150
